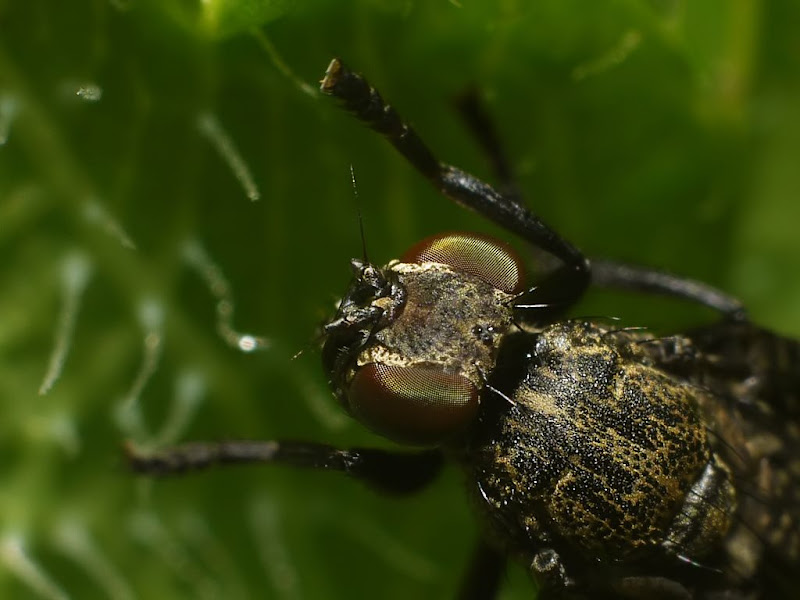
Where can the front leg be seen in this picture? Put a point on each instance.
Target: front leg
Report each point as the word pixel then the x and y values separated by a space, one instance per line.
pixel 554 581
pixel 550 573
pixel 387 471
pixel 481 581
pixel 651 588
pixel 564 287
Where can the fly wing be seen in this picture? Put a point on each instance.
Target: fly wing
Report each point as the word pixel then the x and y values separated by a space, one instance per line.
pixel 752 365
pixel 754 377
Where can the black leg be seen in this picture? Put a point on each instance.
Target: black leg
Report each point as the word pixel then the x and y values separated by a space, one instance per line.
pixel 610 274
pixel 568 282
pixel 475 116
pixel 390 472
pixel 482 578
pixel 605 273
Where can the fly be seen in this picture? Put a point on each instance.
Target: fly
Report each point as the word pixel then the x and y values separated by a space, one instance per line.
pixel 611 464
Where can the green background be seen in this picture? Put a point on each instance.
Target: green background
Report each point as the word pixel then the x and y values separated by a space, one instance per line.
pixel 664 132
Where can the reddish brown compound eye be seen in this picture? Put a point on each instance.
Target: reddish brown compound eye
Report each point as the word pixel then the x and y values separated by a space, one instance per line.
pixel 479 255
pixel 412 405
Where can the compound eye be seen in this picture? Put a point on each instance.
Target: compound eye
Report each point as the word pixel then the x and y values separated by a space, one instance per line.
pixel 479 255
pixel 412 405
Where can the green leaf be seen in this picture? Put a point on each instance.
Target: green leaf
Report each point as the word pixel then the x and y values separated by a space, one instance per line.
pixel 227 17
pixel 659 132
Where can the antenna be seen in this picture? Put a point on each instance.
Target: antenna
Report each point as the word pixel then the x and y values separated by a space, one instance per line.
pixel 360 217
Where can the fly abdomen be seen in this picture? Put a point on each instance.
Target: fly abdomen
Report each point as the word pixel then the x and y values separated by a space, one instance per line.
pixel 754 378
pixel 705 517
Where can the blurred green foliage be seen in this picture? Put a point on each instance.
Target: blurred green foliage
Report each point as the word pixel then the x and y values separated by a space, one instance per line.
pixel 663 132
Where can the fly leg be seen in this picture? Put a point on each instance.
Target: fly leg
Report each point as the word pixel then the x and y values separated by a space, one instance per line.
pixel 604 273
pixel 612 274
pixel 481 580
pixel 480 125
pixel 564 286
pixel 394 473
